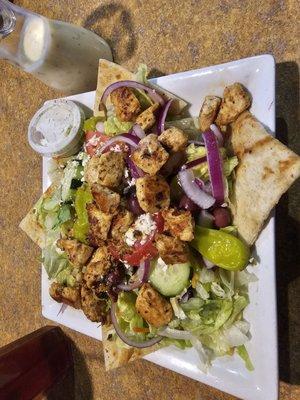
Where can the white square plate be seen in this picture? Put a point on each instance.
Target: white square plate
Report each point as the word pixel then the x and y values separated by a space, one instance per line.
pixel 227 373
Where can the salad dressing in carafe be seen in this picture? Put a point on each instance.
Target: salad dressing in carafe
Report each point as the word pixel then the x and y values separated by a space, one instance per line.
pixel 62 55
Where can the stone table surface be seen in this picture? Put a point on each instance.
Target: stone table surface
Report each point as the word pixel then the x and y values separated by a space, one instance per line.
pixel 169 36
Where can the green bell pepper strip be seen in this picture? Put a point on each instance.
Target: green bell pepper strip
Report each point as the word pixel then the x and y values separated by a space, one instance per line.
pixel 221 248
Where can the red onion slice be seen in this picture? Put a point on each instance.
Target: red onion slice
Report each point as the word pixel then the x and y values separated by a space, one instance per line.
pixel 142 274
pixel 214 165
pixel 136 130
pixel 125 338
pixel 62 309
pixel 198 196
pixel 162 117
pixel 157 98
pixel 218 134
pixel 194 163
pixel 135 171
pixel 127 138
pixel 206 186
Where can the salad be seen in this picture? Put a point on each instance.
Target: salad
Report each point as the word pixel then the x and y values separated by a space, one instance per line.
pixel 138 225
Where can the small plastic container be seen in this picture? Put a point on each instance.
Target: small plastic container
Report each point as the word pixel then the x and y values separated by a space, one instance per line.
pixel 56 129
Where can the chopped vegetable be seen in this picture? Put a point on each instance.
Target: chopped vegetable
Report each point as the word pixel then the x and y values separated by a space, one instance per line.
pixel 81 225
pixel 222 249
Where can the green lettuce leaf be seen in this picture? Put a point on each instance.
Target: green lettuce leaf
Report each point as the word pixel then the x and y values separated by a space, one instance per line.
pixel 201 171
pixel 181 344
pixel 128 317
pixel 112 126
pixel 243 353
pixel 54 260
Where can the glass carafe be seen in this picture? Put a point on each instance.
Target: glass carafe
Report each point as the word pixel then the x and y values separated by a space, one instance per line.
pixel 62 55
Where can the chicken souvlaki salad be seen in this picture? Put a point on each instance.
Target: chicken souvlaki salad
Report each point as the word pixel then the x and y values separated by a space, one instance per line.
pixel 139 231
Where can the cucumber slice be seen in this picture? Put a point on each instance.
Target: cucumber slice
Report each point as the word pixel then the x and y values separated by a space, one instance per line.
pixel 170 280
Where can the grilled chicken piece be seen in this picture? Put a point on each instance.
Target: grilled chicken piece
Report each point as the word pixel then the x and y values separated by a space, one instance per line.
pixel 208 112
pixel 120 224
pixel 150 155
pixel 179 223
pixel 171 250
pixel 174 139
pixel 99 225
pixel 126 104
pixel 153 307
pixel 107 170
pixel 78 253
pixel 153 193
pixel 97 269
pixel 236 99
pixel 147 118
pixel 94 307
pixel 106 200
pixel 66 295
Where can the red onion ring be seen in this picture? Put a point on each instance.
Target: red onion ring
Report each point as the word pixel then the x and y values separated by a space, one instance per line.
pixel 136 130
pixel 157 98
pixel 163 116
pixel 127 138
pixel 214 165
pixel 125 338
pixel 218 134
pixel 204 186
pixel 192 190
pixel 143 276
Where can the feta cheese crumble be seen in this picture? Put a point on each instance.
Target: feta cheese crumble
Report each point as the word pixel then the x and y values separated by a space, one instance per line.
pixel 144 226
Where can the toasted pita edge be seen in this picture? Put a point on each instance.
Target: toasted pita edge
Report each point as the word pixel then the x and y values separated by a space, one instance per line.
pixel 30 225
pixel 116 356
pixel 110 72
pixel 266 170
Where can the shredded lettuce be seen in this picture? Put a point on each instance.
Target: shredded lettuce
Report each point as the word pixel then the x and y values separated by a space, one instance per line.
pixel 72 172
pixel 112 126
pixel 180 343
pixel 243 353
pixel 51 212
pixel 201 171
pixel 54 260
pixel 129 319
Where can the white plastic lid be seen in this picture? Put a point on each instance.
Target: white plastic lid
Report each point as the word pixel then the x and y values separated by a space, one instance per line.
pixel 56 128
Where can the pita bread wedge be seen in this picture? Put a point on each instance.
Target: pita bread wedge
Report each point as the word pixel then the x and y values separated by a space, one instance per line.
pixel 30 224
pixel 116 356
pixel 109 72
pixel 267 168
